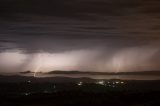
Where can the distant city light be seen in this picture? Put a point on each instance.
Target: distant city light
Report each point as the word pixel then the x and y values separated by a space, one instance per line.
pixel 54 86
pixel 122 82
pixel 29 81
pixel 117 82
pixel 113 86
pixel 45 91
pixel 80 83
pixel 26 94
pixel 101 82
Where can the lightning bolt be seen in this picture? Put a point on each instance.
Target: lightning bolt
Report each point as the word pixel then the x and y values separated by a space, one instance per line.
pixel 39 65
pixel 118 66
pixel 117 63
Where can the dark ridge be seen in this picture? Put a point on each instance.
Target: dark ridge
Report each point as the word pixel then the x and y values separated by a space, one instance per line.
pixel 19 78
pixel 105 73
pixel 26 72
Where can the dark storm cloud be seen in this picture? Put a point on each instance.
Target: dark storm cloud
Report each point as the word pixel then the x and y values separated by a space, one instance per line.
pixel 87 33
pixel 79 8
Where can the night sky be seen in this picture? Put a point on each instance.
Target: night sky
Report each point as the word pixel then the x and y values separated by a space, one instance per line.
pixel 84 35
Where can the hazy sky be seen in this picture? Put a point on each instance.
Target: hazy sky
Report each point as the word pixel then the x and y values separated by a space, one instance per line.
pixel 85 35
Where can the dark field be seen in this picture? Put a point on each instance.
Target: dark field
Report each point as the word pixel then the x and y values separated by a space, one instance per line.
pixel 66 91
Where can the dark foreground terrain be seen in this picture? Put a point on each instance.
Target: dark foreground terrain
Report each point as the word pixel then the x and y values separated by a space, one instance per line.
pixel 80 92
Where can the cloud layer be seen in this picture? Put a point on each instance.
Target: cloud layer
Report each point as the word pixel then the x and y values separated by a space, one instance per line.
pixel 97 35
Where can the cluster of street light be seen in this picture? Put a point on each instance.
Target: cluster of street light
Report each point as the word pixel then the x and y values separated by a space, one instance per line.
pixel 113 84
pixel 105 83
pixel 110 83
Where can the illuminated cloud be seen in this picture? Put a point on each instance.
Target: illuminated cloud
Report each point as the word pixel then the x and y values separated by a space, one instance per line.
pixel 127 59
pixel 134 59
pixel 11 61
pixel 85 35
